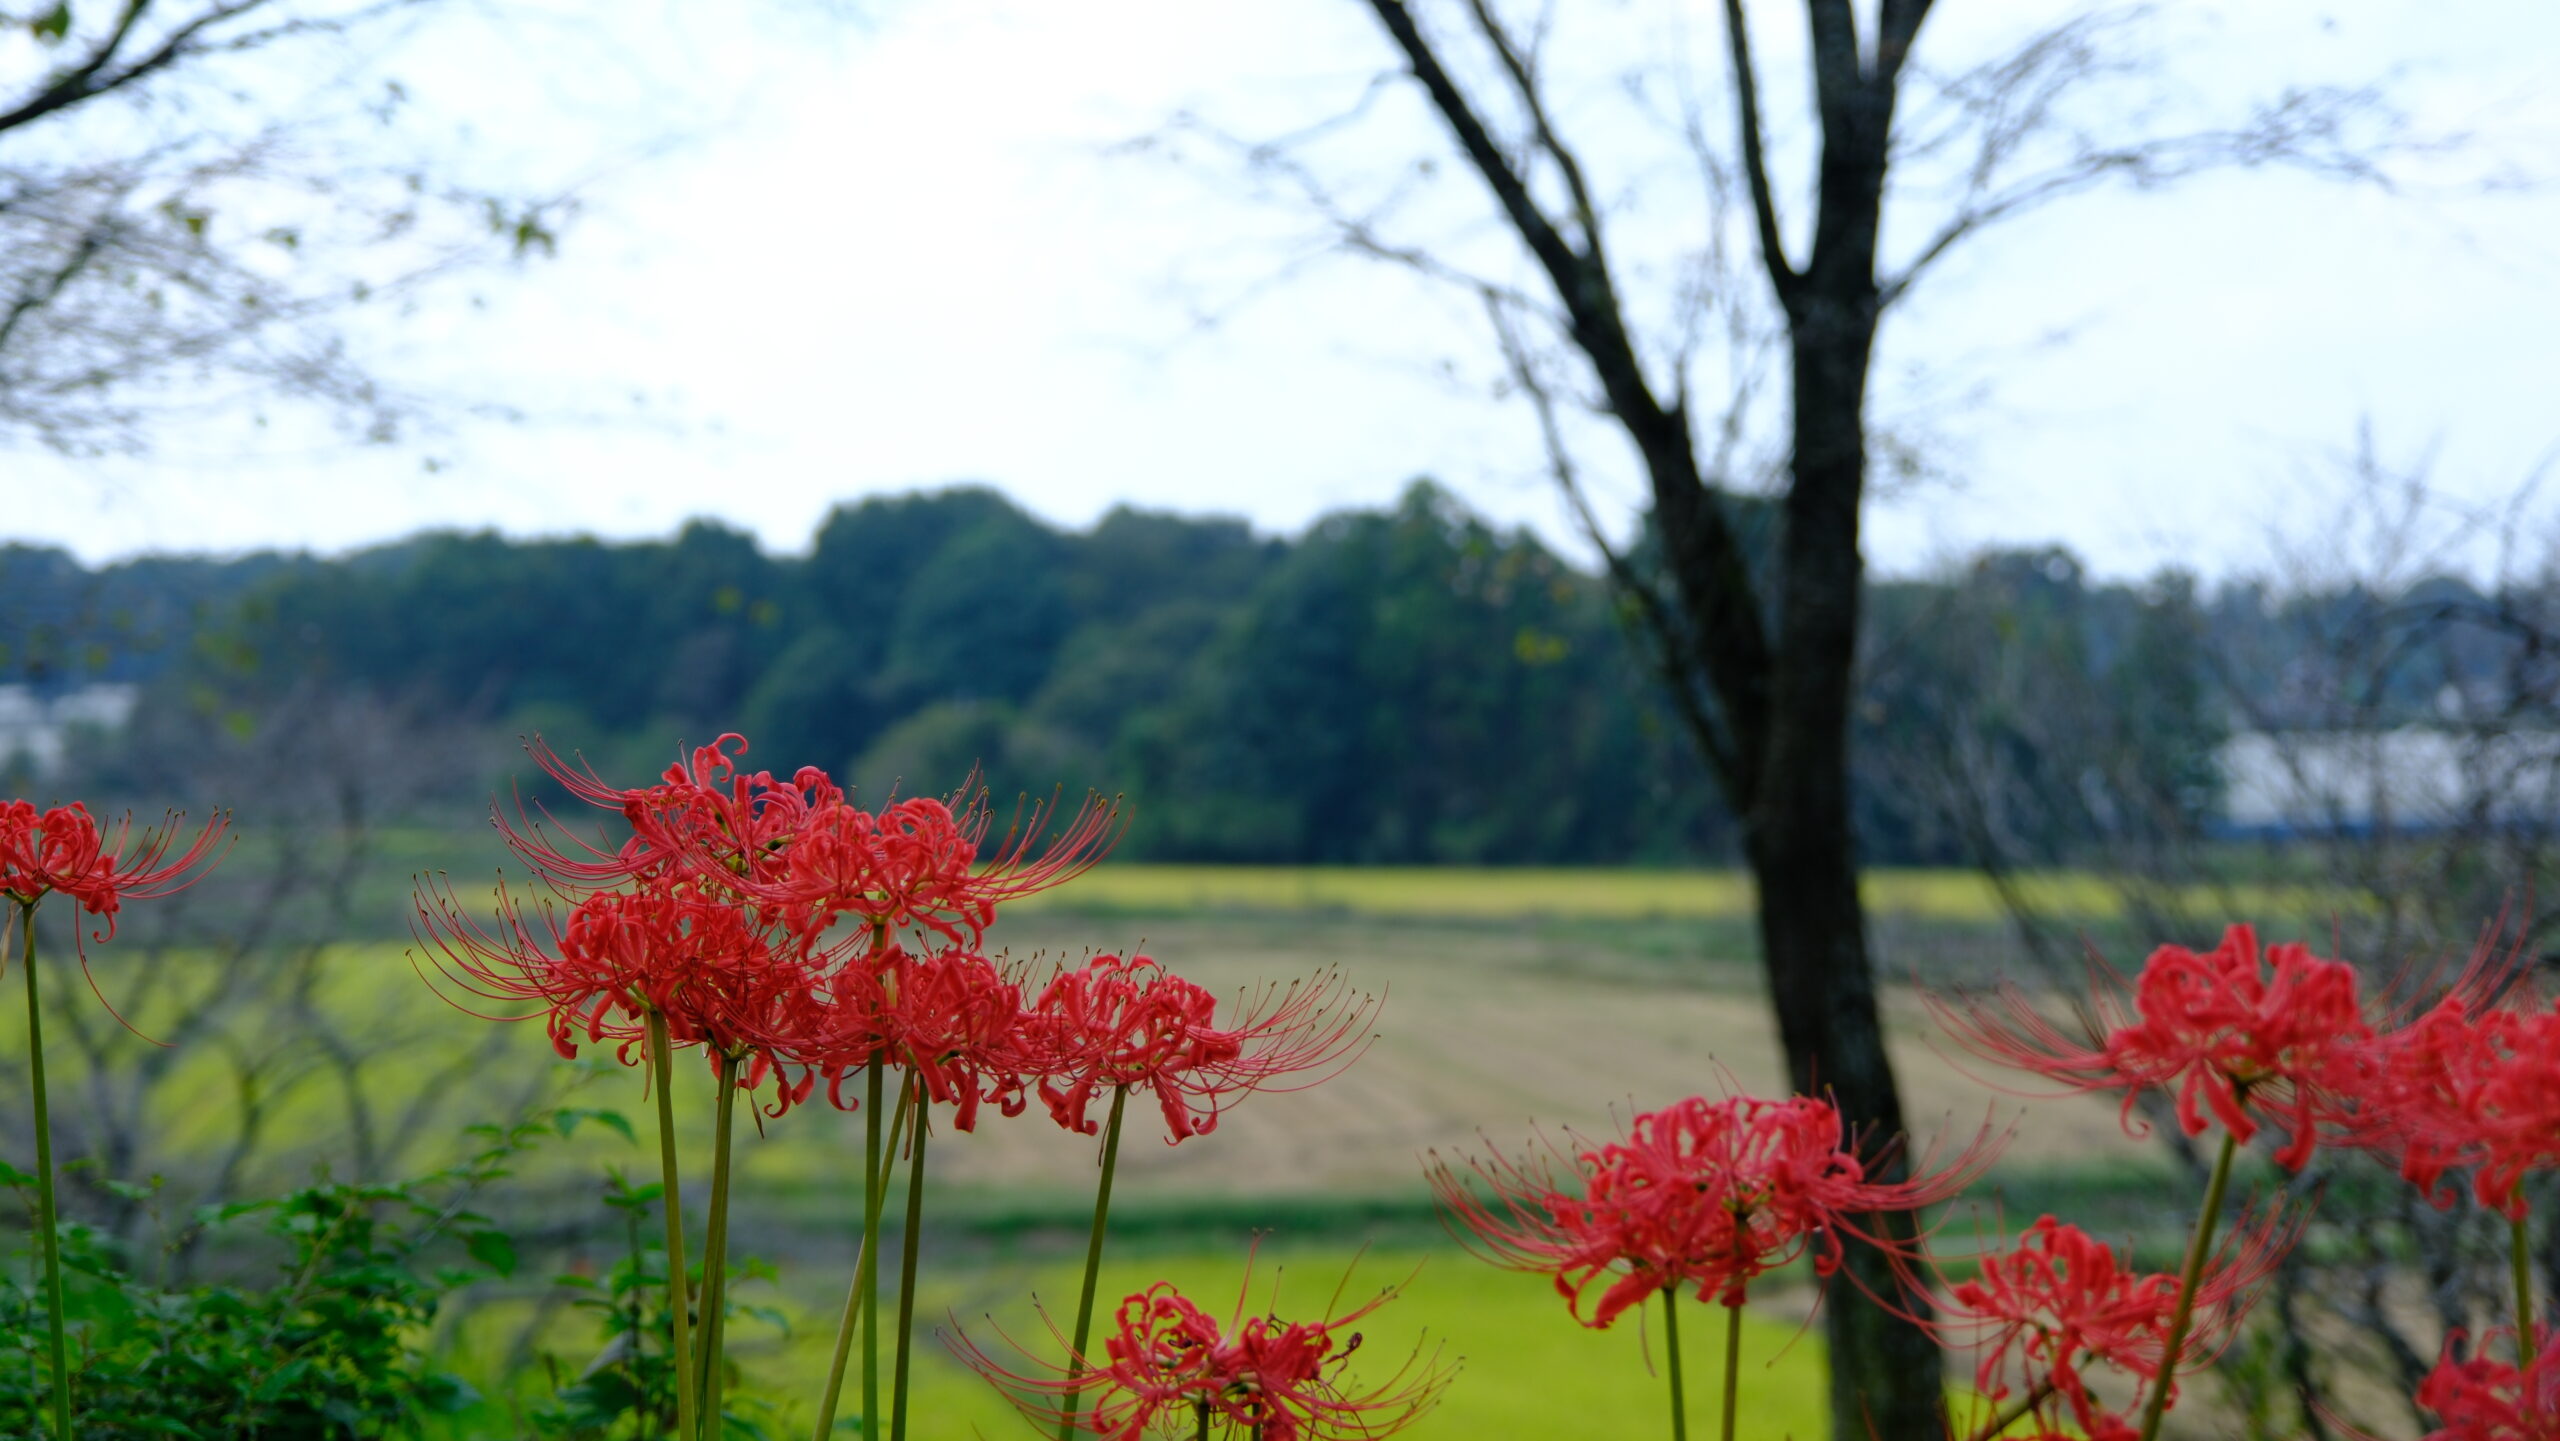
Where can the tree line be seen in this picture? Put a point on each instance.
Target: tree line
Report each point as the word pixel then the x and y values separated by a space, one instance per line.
pixel 1409 684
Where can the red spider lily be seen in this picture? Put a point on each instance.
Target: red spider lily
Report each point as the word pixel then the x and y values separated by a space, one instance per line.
pixel 705 818
pixel 801 853
pixel 2235 1032
pixel 65 850
pixel 951 1016
pixel 2466 1086
pixel 1711 1194
pixel 1167 1361
pixel 956 1021
pixel 666 950
pixel 1129 1022
pixel 2484 1399
pixel 912 864
pixel 2060 1299
pixel 924 863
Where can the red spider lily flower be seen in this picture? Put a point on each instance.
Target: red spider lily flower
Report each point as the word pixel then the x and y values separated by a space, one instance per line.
pixel 1710 1194
pixel 1166 1362
pixel 956 1021
pixel 2483 1399
pixel 2467 1086
pixel 705 818
pixel 1129 1022
pixel 2060 1299
pixel 670 951
pixel 2235 1032
pixel 912 865
pixel 924 863
pixel 65 850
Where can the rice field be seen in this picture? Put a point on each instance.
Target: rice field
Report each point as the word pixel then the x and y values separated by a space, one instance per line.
pixel 1955 897
pixel 1481 1030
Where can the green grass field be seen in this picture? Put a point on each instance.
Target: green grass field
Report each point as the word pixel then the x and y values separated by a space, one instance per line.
pixel 1521 1365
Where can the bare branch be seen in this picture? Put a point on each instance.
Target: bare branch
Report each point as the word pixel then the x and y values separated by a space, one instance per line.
pixel 1668 649
pixel 1783 277
pixel 1524 84
pixel 2014 101
pixel 1582 283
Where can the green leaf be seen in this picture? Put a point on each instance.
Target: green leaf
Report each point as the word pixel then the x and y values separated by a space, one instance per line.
pixel 52 25
pixel 770 1316
pixel 569 1119
pixel 492 1249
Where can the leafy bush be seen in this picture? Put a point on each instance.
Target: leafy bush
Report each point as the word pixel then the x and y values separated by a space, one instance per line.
pixel 334 1346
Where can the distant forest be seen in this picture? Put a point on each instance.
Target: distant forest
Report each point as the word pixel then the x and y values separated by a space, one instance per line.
pixel 1406 685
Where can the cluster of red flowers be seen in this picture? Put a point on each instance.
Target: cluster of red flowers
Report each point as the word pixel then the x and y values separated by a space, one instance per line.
pixel 1705 1194
pixel 1169 1368
pixel 1712 1195
pixel 2244 1036
pixel 781 927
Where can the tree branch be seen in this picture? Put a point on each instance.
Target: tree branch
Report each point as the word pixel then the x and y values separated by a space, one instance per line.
pixel 1581 282
pixel 1667 646
pixel 1783 277
pixel 2305 129
pixel 1524 83
pixel 1897 27
pixel 1725 629
pixel 92 78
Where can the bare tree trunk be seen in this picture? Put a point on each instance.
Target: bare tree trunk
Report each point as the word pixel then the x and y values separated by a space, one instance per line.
pixel 1885 1372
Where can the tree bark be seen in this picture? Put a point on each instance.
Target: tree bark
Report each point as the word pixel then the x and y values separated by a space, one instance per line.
pixel 1885 1374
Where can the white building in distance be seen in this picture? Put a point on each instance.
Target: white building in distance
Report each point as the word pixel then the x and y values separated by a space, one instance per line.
pixel 34 730
pixel 2412 779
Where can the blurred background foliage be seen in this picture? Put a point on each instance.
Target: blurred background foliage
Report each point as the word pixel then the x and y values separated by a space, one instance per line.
pixel 1410 685
pixel 1405 686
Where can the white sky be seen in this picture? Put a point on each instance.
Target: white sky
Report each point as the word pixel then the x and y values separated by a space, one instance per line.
pixel 907 252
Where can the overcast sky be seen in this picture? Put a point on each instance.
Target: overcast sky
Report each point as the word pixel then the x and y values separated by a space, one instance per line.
pixel 818 260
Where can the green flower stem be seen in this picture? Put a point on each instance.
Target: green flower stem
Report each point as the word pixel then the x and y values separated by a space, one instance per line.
pixel 1671 1350
pixel 916 1137
pixel 2520 1256
pixel 1093 1260
pixel 858 1297
pixel 2199 1247
pixel 715 1251
pixel 1732 1364
pixel 679 1301
pixel 45 1217
pixel 1204 1418
pixel 2003 1420
pixel 875 1183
